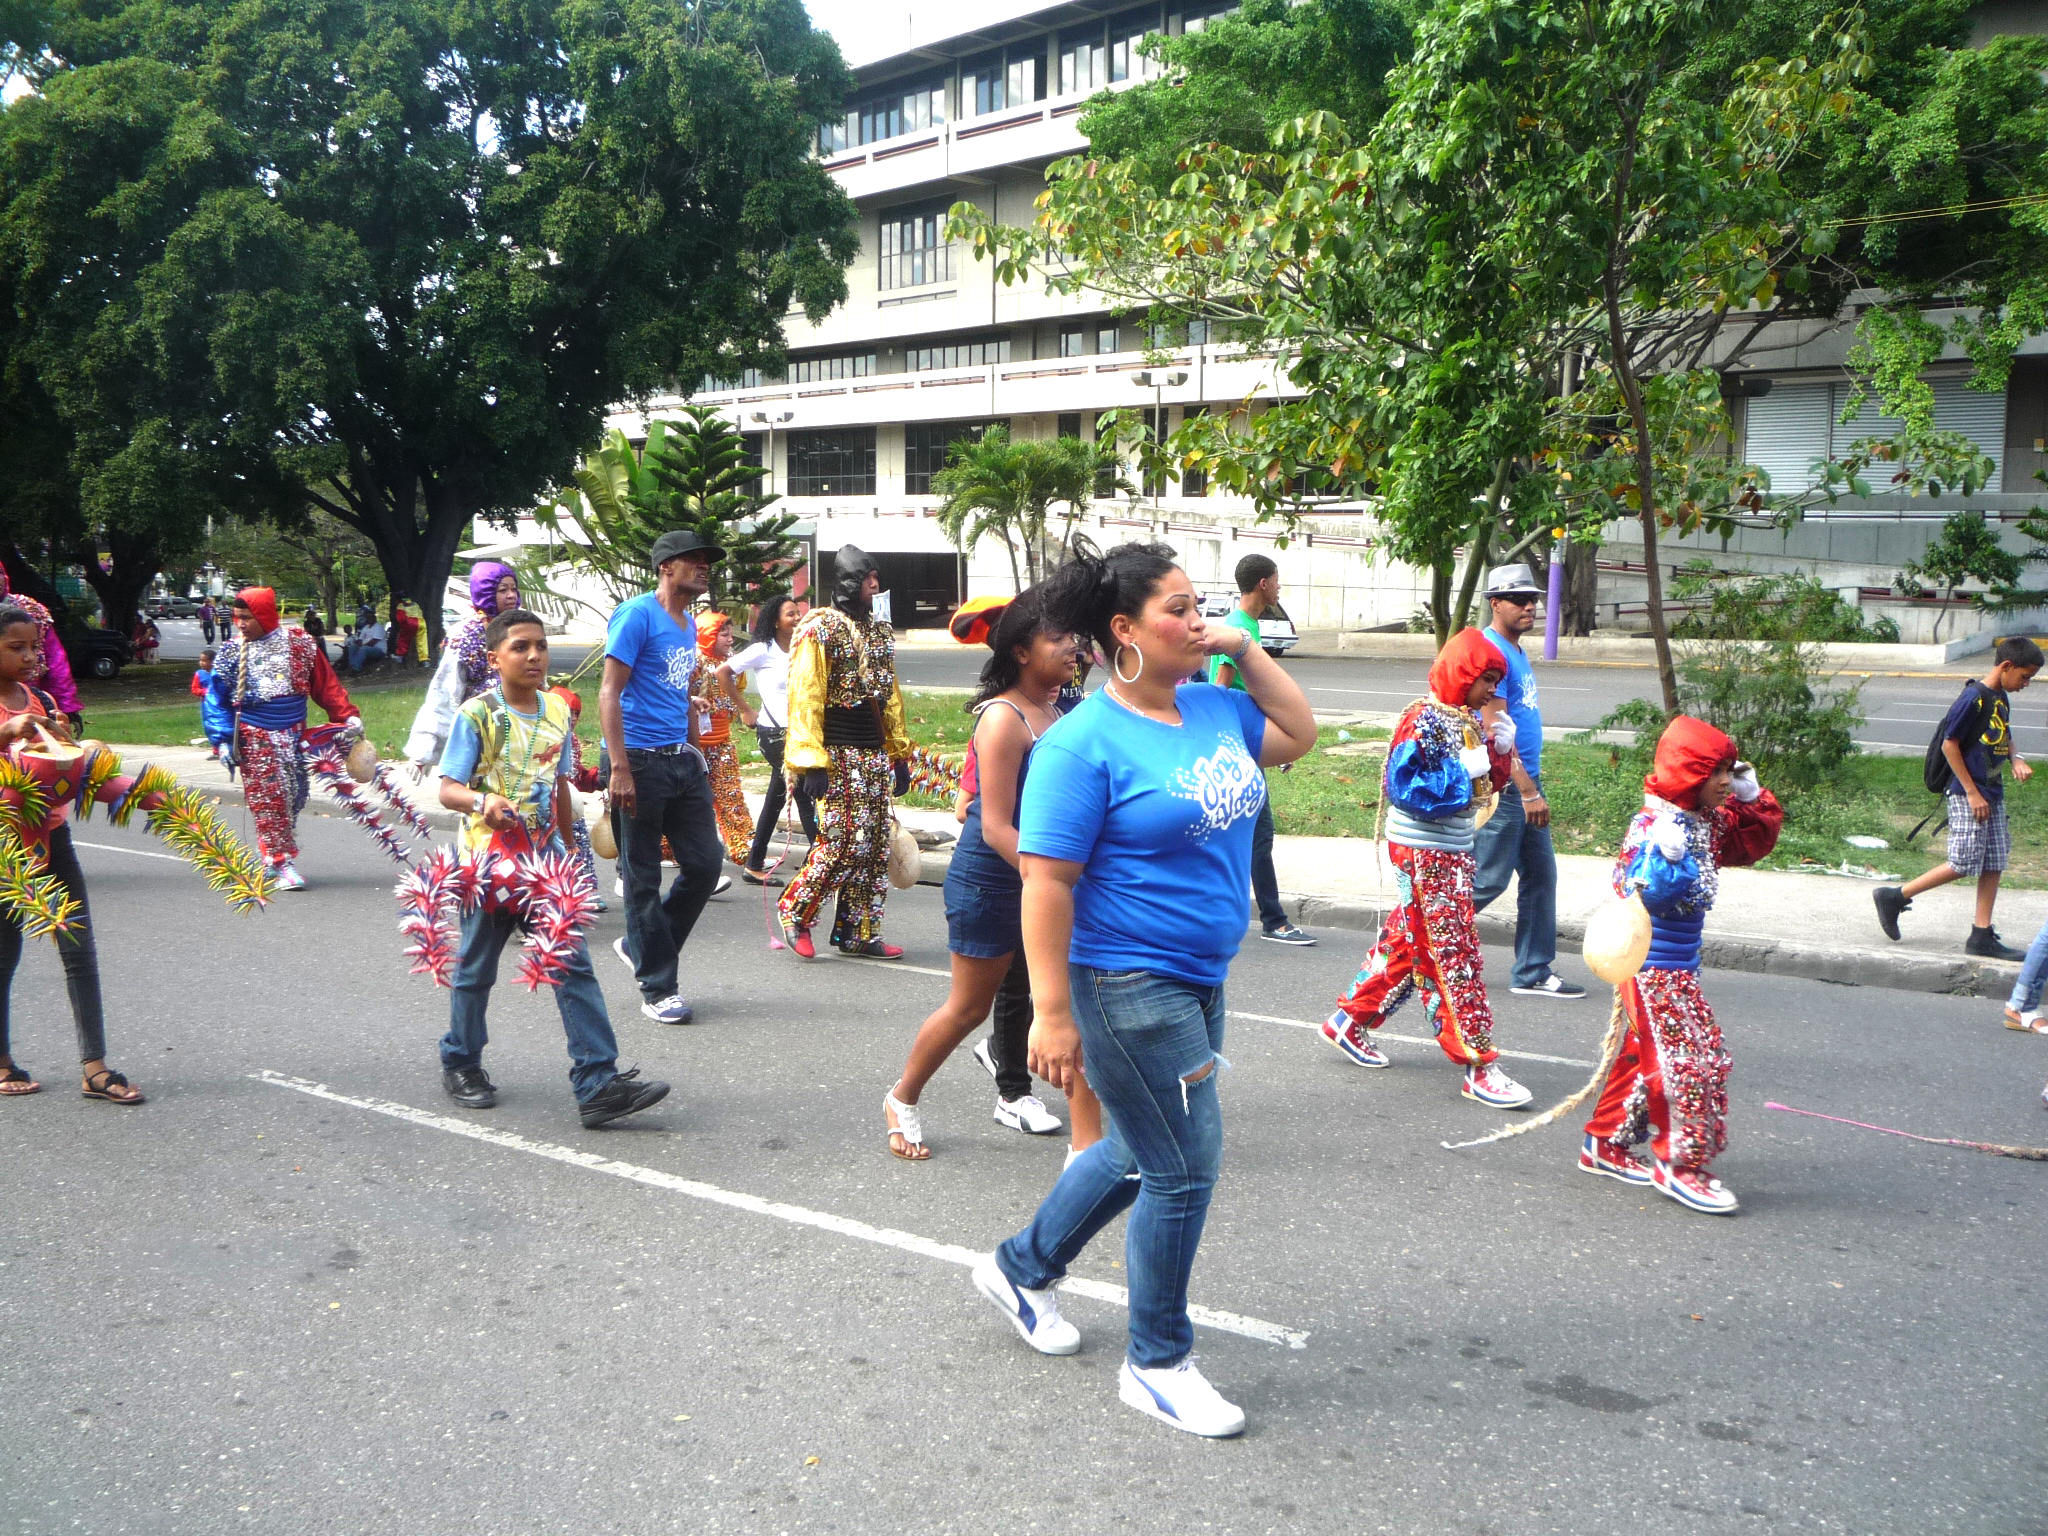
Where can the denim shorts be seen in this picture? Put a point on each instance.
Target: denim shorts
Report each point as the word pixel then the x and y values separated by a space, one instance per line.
pixel 983 922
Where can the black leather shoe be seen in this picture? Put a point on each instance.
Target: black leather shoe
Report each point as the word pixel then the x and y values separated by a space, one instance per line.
pixel 1891 901
pixel 1985 944
pixel 620 1097
pixel 469 1087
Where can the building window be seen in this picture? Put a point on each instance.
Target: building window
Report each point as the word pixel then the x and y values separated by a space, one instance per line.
pixel 913 252
pixel 814 370
pixel 1068 424
pixel 902 108
pixel 925 445
pixel 1125 33
pixel 838 463
pixel 957 354
pixel 1105 337
pixel 1084 60
pixel 1198 333
pixel 1195 15
pixel 1073 341
pixel 999 80
pixel 746 378
pixel 1024 79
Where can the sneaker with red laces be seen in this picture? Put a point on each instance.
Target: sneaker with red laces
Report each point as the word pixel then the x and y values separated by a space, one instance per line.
pixel 1612 1159
pixel 1492 1087
pixel 1349 1036
pixel 798 939
pixel 1694 1189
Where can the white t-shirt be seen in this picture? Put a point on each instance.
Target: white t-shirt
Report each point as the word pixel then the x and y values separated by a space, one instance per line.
pixel 769 663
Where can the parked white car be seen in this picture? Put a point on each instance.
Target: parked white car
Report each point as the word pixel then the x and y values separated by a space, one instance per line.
pixel 1276 630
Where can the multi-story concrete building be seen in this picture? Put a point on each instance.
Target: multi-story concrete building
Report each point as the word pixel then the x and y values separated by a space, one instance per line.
pixel 929 346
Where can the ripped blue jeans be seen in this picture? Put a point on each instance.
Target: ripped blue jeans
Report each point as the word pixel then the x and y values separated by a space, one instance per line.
pixel 1150 1046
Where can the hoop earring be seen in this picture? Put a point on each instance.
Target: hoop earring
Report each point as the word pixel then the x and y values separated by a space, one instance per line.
pixel 1116 665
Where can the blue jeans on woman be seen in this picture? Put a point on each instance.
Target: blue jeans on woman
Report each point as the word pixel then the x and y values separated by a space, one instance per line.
pixel 2026 990
pixel 1144 1039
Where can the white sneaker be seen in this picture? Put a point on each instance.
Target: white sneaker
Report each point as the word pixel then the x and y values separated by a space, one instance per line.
pixel 619 886
pixel 1034 1314
pixel 1181 1396
pixel 625 959
pixel 1028 1115
pixel 724 885
pixel 289 878
pixel 1490 1086
pixel 985 1056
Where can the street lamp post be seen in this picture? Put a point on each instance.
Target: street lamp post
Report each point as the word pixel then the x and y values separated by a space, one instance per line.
pixel 1158 383
pixel 780 418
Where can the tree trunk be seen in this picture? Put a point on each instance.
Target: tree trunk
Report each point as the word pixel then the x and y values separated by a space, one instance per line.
pixel 1482 546
pixel 134 560
pixel 1010 549
pixel 24 578
pixel 1440 597
pixel 1646 488
pixel 1581 587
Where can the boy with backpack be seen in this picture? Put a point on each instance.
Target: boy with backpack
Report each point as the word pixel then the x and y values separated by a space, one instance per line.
pixel 1963 766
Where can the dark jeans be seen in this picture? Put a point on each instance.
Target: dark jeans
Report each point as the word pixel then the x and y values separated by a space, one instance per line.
pixel 1010 1031
pixel 771 739
pixel 1266 884
pixel 1509 848
pixel 593 1053
pixel 1143 1037
pixel 79 955
pixel 672 799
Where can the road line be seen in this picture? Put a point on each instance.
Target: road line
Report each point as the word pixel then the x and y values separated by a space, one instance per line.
pixel 140 853
pixel 843 1226
pixel 1388 1034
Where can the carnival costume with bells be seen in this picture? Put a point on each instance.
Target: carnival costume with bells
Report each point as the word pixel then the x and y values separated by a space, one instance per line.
pixel 714 740
pixel 846 727
pixel 465 667
pixel 1442 770
pixel 53 668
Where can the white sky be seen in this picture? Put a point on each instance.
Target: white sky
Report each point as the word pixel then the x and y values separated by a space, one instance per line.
pixel 864 28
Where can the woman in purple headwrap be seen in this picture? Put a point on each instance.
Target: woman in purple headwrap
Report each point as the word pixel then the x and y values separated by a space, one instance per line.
pixel 464 671
pixel 54 677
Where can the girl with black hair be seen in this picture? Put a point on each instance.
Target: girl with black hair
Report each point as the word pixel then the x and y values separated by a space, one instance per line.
pixel 1136 852
pixel 1017 702
pixel 768 659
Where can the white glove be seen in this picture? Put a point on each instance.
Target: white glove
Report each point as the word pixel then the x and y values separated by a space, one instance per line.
pixel 1668 837
pixel 1502 731
pixel 1744 786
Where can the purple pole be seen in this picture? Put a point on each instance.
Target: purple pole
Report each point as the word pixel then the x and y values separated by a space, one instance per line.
pixel 1556 602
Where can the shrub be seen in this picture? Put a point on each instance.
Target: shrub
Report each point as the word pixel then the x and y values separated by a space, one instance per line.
pixel 1792 606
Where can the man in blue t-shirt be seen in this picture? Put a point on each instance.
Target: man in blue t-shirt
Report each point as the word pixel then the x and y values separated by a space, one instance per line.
pixel 1515 844
pixel 660 787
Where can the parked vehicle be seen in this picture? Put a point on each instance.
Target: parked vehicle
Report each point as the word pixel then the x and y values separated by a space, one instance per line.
pixel 100 653
pixel 173 608
pixel 1276 630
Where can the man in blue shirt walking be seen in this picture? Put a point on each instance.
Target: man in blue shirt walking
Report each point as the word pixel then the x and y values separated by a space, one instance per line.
pixel 1515 843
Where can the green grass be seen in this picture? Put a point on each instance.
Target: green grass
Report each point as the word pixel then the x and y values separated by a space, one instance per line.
pixel 1333 792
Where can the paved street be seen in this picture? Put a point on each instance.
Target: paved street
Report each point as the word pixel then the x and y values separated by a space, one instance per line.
pixel 290 1294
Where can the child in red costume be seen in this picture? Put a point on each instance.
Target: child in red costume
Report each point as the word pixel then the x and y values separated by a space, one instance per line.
pixel 1441 764
pixel 1702 811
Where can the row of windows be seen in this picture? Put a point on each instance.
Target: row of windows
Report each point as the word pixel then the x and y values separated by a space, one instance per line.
pixel 957 354
pixel 1085 59
pixel 912 250
pixel 842 462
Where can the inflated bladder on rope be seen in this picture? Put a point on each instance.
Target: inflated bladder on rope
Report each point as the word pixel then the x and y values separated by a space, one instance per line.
pixel 602 842
pixel 905 859
pixel 1617 940
pixel 362 761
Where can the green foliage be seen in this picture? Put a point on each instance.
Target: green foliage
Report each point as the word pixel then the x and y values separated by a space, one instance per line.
pixel 993 486
pixel 1773 699
pixel 1789 606
pixel 319 558
pixel 1968 549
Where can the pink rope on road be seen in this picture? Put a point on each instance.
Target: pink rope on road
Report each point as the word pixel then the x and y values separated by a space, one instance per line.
pixel 1996 1149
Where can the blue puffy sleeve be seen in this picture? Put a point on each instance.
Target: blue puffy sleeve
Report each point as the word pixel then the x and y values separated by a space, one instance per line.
pixel 1664 883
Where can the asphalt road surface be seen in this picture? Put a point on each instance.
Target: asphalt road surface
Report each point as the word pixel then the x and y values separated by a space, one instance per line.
pixel 290 1294
pixel 1900 712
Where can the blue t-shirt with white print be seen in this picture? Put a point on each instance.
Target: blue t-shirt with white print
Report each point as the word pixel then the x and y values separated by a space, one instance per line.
pixel 1160 817
pixel 1518 691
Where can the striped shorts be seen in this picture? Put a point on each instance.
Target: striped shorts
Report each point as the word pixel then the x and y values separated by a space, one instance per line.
pixel 1977 846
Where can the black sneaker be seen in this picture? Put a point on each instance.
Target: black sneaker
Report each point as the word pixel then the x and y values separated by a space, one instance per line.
pixel 1552 985
pixel 1891 901
pixel 620 1097
pixel 1985 944
pixel 469 1087
pixel 1287 933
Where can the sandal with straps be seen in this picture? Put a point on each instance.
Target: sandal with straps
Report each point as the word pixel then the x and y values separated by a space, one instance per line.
pixel 112 1086
pixel 10 1077
pixel 901 1120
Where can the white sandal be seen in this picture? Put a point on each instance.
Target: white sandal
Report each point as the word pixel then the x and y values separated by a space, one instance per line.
pixel 903 1122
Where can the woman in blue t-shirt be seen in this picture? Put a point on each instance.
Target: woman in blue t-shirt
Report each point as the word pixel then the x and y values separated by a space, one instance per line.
pixel 1136 848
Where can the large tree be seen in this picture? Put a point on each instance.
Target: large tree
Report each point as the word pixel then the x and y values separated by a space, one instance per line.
pixel 395 260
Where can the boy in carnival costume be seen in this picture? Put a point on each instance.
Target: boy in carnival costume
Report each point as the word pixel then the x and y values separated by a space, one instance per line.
pixel 1702 811
pixel 507 769
pixel 1441 764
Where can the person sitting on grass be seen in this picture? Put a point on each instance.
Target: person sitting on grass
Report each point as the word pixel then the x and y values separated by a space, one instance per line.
pixel 506 768
pixel 1975 738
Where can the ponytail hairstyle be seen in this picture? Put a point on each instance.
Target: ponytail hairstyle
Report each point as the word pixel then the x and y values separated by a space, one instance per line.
pixel 1022 621
pixel 1090 589
pixel 768 618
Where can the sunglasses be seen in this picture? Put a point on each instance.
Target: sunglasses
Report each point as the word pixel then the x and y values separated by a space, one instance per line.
pixel 1520 600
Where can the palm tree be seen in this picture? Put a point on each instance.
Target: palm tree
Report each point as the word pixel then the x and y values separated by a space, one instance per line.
pixel 993 486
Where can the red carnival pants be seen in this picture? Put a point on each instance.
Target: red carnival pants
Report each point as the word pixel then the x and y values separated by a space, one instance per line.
pixel 1669 1085
pixel 274 785
pixel 1429 940
pixel 852 850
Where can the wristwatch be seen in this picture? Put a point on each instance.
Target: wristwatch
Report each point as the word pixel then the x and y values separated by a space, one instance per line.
pixel 482 800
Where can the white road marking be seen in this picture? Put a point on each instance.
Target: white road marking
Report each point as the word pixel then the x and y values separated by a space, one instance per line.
pixel 1268 1018
pixel 140 853
pixel 843 1226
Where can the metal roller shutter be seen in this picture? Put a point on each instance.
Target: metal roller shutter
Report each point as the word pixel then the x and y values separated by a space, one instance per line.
pixel 1957 408
pixel 1785 431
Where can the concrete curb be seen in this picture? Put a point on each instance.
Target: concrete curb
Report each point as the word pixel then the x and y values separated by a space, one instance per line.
pixel 1898 970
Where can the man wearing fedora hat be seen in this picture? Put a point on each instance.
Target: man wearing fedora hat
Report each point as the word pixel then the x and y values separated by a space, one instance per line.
pixel 659 784
pixel 1515 844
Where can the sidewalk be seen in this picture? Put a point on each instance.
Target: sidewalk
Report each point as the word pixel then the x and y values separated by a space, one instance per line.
pixel 1819 927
